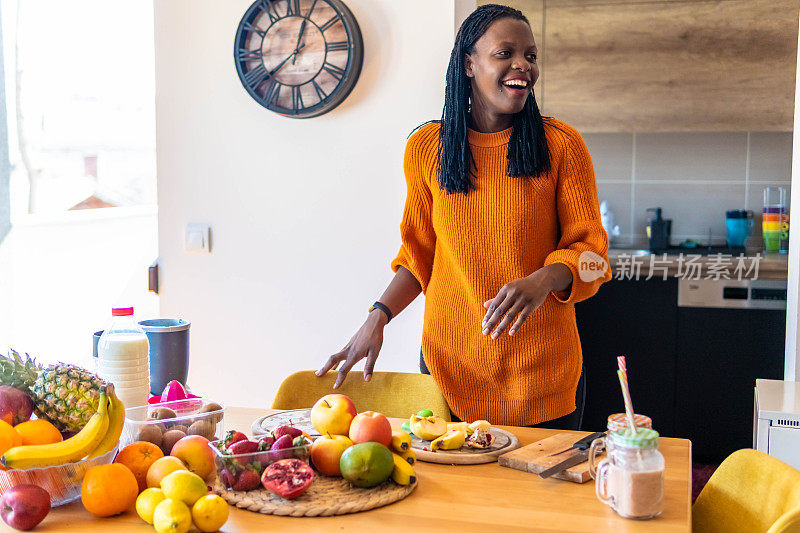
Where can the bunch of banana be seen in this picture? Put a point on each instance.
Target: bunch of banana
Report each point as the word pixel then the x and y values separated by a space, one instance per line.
pixel 99 436
pixel 403 473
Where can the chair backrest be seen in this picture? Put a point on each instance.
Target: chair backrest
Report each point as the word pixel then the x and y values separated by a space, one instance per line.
pixel 395 394
pixel 749 492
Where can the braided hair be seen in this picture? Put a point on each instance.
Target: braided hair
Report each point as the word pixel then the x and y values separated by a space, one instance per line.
pixel 528 155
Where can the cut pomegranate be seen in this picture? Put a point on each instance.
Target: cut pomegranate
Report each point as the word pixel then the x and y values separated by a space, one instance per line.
pixel 288 478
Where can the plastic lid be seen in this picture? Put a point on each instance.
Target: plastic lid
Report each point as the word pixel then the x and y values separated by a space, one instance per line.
pixel 121 311
pixel 620 421
pixel 642 438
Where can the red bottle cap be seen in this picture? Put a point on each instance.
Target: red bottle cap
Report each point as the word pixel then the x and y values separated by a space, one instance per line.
pixel 122 311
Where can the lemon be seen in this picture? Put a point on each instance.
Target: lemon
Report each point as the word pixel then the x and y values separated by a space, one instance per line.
pixel 210 513
pixel 185 486
pixel 146 503
pixel 172 516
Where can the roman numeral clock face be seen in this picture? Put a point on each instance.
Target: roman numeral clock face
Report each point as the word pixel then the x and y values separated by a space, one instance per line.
pixel 299 58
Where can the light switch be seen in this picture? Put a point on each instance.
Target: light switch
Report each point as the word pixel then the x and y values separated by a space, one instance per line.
pixel 197 238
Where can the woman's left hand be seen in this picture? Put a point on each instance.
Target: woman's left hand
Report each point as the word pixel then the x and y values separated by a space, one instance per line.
pixel 521 297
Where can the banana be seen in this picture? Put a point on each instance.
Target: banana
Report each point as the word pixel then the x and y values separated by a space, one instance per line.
pixel 483 425
pixel 116 419
pixel 403 473
pixel 428 428
pixel 401 441
pixel 452 440
pixel 67 451
pixel 460 426
pixel 409 456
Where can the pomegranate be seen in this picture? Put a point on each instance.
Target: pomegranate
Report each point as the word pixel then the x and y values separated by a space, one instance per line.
pixel 480 439
pixel 288 478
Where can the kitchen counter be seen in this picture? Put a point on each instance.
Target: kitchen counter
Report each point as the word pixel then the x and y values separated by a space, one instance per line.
pixel 628 263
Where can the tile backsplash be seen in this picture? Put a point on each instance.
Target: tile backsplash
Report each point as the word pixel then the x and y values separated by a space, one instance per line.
pixel 694 177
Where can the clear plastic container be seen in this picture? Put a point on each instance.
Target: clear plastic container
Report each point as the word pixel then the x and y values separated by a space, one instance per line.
pixel 123 358
pixel 62 482
pixel 631 479
pixel 191 417
pixel 230 467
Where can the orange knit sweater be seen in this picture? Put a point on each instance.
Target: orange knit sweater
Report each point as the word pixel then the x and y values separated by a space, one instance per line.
pixel 463 248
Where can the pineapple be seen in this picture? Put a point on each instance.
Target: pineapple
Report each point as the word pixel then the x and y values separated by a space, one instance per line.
pixel 64 394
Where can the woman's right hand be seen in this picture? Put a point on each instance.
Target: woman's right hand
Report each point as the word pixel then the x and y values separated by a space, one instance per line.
pixel 366 342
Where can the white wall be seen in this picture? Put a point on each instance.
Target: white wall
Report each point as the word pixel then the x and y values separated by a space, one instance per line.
pixel 305 213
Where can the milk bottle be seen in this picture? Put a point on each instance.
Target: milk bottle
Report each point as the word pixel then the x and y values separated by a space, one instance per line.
pixel 123 358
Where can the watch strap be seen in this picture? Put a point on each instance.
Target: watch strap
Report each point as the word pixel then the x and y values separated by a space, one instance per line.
pixel 382 307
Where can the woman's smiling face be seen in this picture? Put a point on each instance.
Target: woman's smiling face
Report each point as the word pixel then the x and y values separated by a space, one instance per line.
pixel 502 68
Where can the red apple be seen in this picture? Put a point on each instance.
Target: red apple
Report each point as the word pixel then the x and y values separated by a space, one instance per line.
pixel 196 453
pixel 370 426
pixel 332 414
pixel 15 406
pixel 326 452
pixel 24 506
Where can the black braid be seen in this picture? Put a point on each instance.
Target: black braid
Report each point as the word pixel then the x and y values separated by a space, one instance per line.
pixel 528 155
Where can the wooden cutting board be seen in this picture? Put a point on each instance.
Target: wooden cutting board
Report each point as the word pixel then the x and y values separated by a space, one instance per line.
pixel 504 441
pixel 538 456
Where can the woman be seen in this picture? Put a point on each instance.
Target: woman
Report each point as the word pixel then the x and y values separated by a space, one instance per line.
pixel 501 204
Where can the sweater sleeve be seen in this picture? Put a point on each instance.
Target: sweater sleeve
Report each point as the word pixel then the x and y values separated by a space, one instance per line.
pixel 416 227
pixel 583 246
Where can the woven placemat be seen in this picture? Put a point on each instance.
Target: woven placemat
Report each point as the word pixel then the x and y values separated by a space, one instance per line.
pixel 327 496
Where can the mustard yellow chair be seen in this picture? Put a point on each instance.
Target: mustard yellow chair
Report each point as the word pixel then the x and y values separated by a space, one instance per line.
pixel 395 394
pixel 750 492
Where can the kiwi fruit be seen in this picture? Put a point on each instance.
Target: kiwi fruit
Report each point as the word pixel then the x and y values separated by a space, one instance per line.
pixel 170 438
pixel 151 433
pixel 162 413
pixel 204 428
pixel 216 418
pixel 180 427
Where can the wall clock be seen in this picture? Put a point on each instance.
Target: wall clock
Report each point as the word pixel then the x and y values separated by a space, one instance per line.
pixel 298 58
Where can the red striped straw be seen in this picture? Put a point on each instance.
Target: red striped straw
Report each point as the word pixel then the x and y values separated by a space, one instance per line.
pixel 621 365
pixel 626 396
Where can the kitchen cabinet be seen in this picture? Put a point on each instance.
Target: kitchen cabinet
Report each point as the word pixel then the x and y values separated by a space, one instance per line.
pixel 669 65
pixel 721 353
pixel 692 367
pixel 637 319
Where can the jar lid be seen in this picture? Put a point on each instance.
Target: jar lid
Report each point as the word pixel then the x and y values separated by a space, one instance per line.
pixel 640 438
pixel 620 421
pixel 121 311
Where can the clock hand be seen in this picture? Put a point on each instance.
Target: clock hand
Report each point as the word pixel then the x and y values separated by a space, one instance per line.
pixel 299 37
pixel 294 53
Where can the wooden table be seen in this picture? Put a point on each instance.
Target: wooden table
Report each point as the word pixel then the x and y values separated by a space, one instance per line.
pixel 449 498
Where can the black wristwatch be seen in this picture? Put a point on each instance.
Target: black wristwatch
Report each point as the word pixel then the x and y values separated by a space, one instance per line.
pixel 378 305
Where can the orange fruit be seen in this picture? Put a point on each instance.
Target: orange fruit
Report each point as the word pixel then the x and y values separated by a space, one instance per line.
pixel 109 489
pixel 8 437
pixel 38 431
pixel 139 456
pixel 162 467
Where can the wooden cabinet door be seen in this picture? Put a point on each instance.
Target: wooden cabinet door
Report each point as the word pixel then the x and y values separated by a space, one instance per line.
pixel 724 65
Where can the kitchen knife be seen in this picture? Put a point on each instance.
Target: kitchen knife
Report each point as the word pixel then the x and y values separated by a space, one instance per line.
pixel 580 455
pixel 576 458
pixel 582 444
